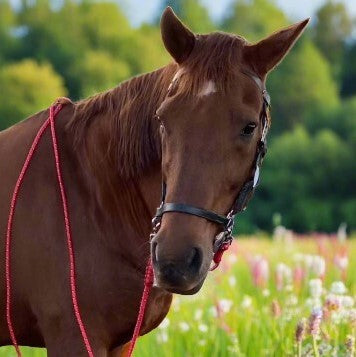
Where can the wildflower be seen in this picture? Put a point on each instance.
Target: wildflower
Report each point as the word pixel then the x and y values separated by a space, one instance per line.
pixel 283 275
pixel 341 261
pixel 224 306
pixel 314 321
pixel 341 232
pixel 162 337
pixel 266 292
pixel 300 330
pixel 213 311
pixel 313 303
pixel 276 308
pixel 347 302
pixel 315 288
pixel 318 266
pixel 260 271
pixel 350 345
pixel 338 288
pixel 332 302
pixel 292 300
pixel 246 302
pixel 232 281
pixel 198 314
pixel 298 275
pixel 352 317
pixel 183 326
pixel 203 328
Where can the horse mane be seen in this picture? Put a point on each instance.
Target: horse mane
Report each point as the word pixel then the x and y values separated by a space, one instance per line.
pixel 128 109
pixel 115 131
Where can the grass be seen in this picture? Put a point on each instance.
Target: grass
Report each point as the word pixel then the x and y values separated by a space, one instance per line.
pixel 245 309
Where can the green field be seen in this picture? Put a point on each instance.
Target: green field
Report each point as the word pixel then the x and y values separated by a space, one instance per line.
pixel 252 304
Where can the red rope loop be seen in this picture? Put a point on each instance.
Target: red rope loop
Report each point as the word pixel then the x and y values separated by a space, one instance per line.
pixel 53 111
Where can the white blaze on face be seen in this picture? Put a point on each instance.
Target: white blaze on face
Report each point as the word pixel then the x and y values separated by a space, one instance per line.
pixel 207 89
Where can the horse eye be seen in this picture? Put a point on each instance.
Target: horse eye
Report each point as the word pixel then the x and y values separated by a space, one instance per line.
pixel 248 129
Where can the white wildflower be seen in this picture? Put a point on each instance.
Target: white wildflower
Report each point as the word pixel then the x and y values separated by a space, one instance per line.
pixel 315 288
pixel 246 302
pixel 318 265
pixel 203 328
pixel 292 300
pixel 183 326
pixel 162 337
pixel 347 302
pixel 338 288
pixel 213 311
pixel 225 305
pixel 266 292
pixel 232 280
pixel 313 303
pixel 198 314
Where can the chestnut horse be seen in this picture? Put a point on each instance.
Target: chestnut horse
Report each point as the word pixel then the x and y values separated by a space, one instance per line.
pixel 115 152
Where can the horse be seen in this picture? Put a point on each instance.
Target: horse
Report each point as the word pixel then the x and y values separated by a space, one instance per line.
pixel 193 124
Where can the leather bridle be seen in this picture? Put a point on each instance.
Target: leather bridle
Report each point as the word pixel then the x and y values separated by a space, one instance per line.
pixel 224 238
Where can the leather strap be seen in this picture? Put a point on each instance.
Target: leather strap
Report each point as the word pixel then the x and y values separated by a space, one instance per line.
pixel 195 211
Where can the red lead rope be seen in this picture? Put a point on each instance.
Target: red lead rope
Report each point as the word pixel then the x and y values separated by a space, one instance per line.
pixel 53 111
pixel 148 282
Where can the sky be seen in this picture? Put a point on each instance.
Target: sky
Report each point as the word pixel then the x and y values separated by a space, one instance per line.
pixel 140 11
pixel 143 10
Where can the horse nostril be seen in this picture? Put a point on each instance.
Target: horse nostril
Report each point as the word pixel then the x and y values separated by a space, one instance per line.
pixel 195 260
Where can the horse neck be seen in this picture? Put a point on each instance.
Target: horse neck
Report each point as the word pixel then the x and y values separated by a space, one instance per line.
pixel 117 139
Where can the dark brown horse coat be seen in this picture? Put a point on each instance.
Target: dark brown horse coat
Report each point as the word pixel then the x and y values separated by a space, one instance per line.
pixel 110 150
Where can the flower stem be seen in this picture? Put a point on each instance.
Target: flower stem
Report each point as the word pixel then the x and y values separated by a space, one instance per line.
pixel 300 349
pixel 315 347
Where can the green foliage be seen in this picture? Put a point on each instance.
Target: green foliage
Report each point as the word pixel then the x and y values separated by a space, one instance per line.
pixel 254 19
pixel 333 26
pixel 348 71
pixel 307 179
pixel 301 83
pixel 7 23
pixel 99 71
pixel 27 87
pixel 192 13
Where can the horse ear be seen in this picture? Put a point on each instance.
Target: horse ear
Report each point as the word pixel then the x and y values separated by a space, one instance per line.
pixel 264 55
pixel 177 38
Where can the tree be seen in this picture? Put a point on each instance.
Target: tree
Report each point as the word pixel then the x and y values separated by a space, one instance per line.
pixel 192 13
pixel 56 37
pixel 333 27
pixel 254 19
pixel 25 88
pixel 308 180
pixel 99 71
pixel 348 75
pixel 301 84
pixel 7 24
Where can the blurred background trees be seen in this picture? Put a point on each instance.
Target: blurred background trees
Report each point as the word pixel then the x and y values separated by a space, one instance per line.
pixel 77 48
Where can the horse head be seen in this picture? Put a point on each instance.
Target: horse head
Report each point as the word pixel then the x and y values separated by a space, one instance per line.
pixel 211 124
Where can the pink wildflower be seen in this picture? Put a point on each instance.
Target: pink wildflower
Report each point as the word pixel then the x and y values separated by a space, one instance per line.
pixel 260 271
pixel 315 321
